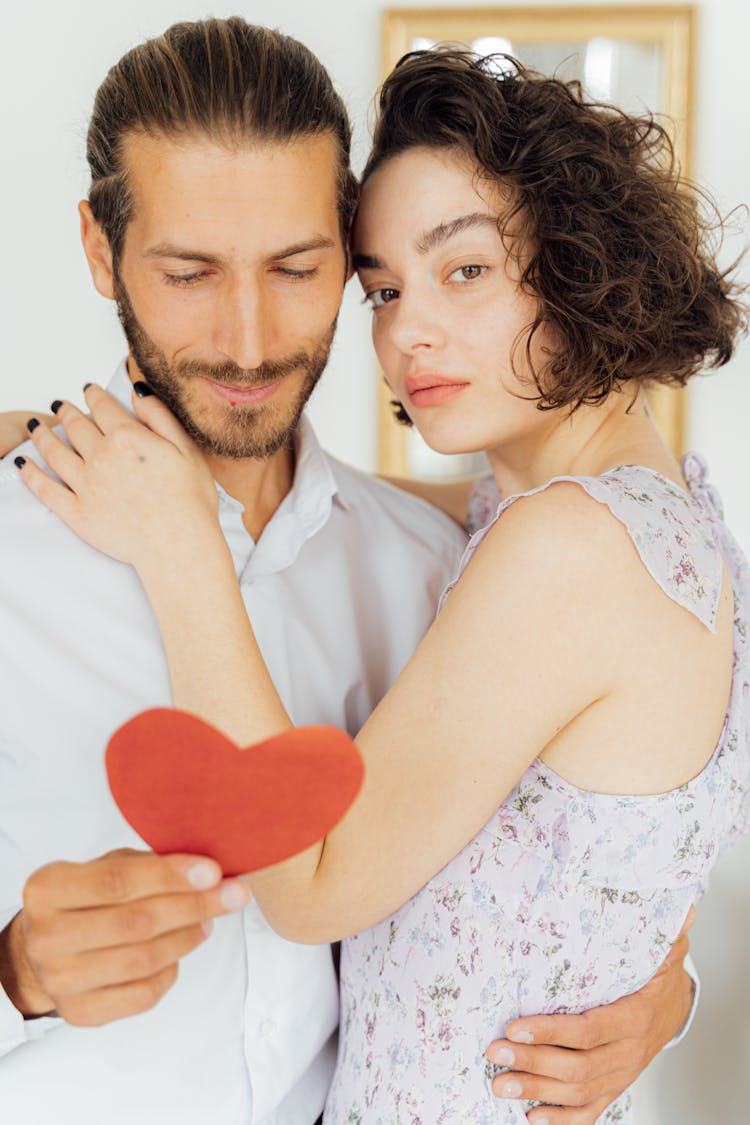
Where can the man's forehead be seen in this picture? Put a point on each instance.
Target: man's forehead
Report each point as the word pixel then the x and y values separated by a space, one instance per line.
pixel 193 178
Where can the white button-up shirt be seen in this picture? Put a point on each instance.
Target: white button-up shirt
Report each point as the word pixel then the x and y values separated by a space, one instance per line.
pixel 340 587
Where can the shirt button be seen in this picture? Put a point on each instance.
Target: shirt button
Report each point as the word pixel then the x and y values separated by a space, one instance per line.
pixel 267 1028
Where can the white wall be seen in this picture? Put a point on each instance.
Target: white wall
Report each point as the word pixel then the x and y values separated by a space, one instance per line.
pixel 58 334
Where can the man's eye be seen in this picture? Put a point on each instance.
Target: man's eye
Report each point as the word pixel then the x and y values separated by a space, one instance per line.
pixel 467 273
pixel 296 275
pixel 376 298
pixel 185 280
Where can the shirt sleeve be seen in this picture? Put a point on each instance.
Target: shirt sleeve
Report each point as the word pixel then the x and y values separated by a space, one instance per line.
pixel 692 972
pixel 14 1029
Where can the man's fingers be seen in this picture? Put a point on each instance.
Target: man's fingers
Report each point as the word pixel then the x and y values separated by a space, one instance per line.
pixel 538 1088
pixel 117 878
pixel 567 1115
pixel 92 1009
pixel 561 1064
pixel 121 965
pixel 581 1032
pixel 69 933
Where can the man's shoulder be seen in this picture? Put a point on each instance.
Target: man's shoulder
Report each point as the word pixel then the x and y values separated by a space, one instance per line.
pixel 26 526
pixel 372 499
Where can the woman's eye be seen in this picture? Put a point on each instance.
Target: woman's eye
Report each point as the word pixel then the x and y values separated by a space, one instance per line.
pixel 376 298
pixel 467 273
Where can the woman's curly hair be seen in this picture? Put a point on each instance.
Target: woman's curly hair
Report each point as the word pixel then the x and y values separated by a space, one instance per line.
pixel 619 251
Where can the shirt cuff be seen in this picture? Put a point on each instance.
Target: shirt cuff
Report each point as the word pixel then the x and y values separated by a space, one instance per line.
pixel 15 1030
pixel 692 972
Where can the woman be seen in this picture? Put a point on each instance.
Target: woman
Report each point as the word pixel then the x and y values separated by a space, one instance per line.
pixel 551 777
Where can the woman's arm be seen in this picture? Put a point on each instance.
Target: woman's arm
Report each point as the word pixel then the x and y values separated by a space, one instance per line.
pixel 451 497
pixel 526 642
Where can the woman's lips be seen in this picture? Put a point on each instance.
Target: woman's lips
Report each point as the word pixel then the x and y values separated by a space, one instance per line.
pixel 432 390
pixel 244 395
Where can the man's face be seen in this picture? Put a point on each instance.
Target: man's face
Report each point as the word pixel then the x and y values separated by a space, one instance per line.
pixel 229 282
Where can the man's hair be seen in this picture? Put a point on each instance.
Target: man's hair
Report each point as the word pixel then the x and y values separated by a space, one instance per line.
pixel 230 80
pixel 618 251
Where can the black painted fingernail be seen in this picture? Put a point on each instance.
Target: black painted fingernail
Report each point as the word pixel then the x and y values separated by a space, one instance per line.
pixel 86 387
pixel 19 462
pixel 142 390
pixel 55 406
pixel 32 424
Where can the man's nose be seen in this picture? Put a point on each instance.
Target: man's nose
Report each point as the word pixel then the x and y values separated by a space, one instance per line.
pixel 243 325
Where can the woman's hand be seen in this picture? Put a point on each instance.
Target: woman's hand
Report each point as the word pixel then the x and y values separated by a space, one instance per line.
pixel 129 488
pixel 13 431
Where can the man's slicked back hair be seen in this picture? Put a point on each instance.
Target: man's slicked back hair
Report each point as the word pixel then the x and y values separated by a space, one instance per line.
pixel 228 80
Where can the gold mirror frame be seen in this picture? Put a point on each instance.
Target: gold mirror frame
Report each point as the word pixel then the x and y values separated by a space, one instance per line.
pixel 671 27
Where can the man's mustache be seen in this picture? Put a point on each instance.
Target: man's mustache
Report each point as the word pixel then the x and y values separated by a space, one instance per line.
pixel 231 375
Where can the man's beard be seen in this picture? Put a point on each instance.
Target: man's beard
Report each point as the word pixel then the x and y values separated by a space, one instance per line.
pixel 238 431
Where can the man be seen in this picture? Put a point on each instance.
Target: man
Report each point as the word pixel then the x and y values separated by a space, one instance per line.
pixel 217 220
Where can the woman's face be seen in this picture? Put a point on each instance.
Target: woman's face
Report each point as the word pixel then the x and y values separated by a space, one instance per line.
pixel 447 307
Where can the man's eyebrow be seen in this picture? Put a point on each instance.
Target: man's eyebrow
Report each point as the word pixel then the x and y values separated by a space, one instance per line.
pixel 432 238
pixel 321 242
pixel 443 231
pixel 186 254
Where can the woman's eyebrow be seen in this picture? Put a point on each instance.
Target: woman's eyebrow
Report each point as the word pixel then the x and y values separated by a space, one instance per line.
pixel 430 239
pixel 367 262
pixel 443 231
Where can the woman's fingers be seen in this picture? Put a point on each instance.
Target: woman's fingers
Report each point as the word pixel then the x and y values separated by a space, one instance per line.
pixel 83 434
pixel 61 459
pixel 158 417
pixel 149 410
pixel 53 495
pixel 106 411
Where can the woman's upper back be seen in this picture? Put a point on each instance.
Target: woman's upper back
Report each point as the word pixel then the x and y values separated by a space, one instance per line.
pixel 681 590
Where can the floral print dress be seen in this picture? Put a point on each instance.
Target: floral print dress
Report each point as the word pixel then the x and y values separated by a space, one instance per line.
pixel 566 899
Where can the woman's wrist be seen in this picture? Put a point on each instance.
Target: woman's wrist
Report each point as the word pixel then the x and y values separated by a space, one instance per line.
pixel 194 551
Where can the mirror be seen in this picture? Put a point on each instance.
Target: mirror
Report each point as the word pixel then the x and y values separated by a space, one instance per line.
pixel 637 57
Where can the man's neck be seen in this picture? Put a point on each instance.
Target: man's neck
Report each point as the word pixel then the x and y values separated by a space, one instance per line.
pixel 259 485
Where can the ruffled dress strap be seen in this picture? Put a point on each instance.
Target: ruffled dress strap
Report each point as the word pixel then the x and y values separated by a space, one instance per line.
pixel 673 530
pixel 483 503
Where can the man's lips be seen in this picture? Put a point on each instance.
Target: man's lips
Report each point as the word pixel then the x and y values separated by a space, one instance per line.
pixel 244 395
pixel 430 389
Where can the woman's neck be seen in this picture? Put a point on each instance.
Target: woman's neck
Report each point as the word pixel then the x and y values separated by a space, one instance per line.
pixel 620 431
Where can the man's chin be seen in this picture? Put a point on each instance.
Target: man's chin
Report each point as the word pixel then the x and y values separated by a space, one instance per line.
pixel 238 432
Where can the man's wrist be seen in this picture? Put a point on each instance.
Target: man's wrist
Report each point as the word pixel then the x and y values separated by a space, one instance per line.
pixel 17 976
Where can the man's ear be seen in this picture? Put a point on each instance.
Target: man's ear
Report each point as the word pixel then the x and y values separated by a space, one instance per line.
pixel 97 250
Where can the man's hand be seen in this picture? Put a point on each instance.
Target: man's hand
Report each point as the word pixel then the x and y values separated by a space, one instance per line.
pixel 578 1065
pixel 99 941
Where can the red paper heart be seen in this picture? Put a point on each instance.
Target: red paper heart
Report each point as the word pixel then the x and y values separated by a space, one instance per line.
pixel 185 787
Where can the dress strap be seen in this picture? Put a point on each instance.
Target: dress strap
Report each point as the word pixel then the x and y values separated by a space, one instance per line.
pixel 673 530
